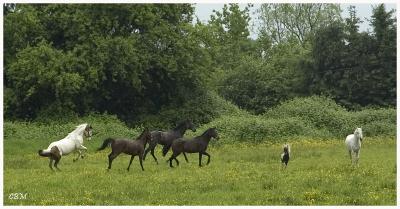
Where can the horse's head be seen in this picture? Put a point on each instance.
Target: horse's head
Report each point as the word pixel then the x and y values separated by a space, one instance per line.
pixel 286 148
pixel 146 135
pixel 212 132
pixel 358 133
pixel 88 131
pixel 189 125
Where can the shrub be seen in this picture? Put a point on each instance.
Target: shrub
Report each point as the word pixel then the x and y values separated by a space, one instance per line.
pixel 251 128
pixel 103 126
pixel 314 117
pixel 201 109
pixel 321 112
pixel 376 122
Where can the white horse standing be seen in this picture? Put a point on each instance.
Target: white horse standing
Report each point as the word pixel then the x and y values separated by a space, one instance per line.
pixel 72 142
pixel 353 143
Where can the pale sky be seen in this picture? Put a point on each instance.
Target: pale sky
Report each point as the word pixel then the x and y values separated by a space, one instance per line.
pixel 364 12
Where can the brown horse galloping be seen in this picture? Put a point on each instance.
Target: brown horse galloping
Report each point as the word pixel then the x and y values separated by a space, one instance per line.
pixel 166 138
pixel 127 146
pixel 198 144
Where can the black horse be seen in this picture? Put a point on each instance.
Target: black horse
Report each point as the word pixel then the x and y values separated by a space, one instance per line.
pixel 166 138
pixel 197 144
pixel 127 146
pixel 285 155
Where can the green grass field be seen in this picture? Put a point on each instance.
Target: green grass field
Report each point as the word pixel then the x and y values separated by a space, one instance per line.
pixel 319 173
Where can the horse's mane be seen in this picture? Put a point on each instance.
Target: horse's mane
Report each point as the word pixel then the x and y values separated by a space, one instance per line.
pixel 79 127
pixel 142 134
pixel 206 132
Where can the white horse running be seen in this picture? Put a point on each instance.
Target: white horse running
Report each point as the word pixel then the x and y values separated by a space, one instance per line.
pixel 353 143
pixel 72 142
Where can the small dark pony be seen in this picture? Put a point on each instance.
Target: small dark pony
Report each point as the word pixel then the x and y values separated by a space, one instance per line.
pixel 166 138
pixel 285 156
pixel 127 146
pixel 198 144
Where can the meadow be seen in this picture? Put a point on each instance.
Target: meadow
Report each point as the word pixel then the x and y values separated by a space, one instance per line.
pixel 240 173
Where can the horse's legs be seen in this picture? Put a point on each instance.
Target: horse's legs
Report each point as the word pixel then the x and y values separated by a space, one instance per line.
pixel 351 157
pixel 152 154
pixel 170 161
pixel 130 162
pixel 79 154
pixel 184 154
pixel 152 146
pixel 208 155
pixel 165 149
pixel 57 160
pixel 83 148
pixel 51 163
pixel 111 157
pixel 200 158
pixel 357 157
pixel 173 157
pixel 141 161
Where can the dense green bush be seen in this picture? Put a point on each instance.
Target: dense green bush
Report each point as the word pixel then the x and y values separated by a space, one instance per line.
pixel 314 117
pixel 256 84
pixel 376 122
pixel 321 112
pixel 103 126
pixel 249 128
pixel 201 109
pixel 127 60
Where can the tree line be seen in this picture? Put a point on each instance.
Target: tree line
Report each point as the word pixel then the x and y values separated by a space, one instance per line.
pixel 135 60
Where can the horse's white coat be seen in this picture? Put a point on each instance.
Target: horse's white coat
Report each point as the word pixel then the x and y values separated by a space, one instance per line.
pixel 353 143
pixel 73 141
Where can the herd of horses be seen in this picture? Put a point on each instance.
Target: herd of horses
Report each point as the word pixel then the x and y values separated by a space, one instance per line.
pixel 172 139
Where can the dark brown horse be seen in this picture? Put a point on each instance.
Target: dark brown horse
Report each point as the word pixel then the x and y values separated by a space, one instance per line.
pixel 127 146
pixel 166 138
pixel 198 144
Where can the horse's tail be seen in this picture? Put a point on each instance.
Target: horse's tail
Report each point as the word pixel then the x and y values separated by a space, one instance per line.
pixel 44 153
pixel 105 143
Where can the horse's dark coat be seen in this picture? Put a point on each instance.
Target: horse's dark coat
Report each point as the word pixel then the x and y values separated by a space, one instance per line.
pixel 198 144
pixel 285 155
pixel 127 146
pixel 166 138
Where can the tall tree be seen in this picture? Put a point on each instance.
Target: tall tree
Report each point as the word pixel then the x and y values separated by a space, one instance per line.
pixel 230 32
pixel 123 59
pixel 283 22
pixel 384 27
pixel 356 74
